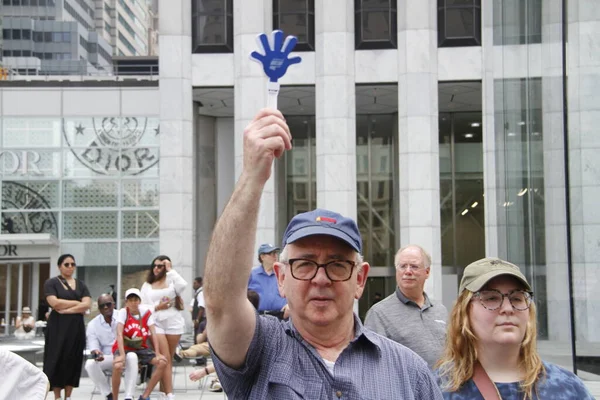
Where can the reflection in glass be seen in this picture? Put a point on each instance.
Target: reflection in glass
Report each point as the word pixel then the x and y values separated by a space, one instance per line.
pixel 140 193
pixel 140 224
pixel 300 166
pixel 375 24
pixel 296 17
pixel 519 143
pixel 461 190
pixel 375 186
pixel 212 26
pixel 459 23
pixel 517 22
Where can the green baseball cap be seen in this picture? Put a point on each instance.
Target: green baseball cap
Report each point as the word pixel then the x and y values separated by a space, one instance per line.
pixel 480 272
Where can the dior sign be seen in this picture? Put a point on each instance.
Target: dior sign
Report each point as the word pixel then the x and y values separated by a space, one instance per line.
pixel 19 162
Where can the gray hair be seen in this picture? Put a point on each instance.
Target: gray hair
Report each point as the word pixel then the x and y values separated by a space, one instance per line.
pixel 424 255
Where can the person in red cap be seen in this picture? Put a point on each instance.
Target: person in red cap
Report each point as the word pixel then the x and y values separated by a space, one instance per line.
pixel 323 351
pixel 135 328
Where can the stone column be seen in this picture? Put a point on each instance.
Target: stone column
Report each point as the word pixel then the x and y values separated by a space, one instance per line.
pixel 335 108
pixel 205 186
pixel 583 60
pixel 489 130
pixel 419 192
pixel 552 134
pixel 251 18
pixel 177 169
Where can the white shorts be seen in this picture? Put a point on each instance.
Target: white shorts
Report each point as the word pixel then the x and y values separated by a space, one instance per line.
pixel 174 325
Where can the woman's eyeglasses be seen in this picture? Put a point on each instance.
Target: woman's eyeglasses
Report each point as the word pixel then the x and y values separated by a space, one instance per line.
pixel 492 299
pixel 69 265
pixel 159 265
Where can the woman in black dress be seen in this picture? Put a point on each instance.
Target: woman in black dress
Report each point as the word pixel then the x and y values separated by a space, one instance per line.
pixel 65 333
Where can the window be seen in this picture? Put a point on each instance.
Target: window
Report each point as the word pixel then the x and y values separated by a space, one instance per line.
pixel 459 23
pixel 517 22
pixel 6 34
pixel 376 24
pixel 212 26
pixel 16 34
pixel 296 17
pixel 26 34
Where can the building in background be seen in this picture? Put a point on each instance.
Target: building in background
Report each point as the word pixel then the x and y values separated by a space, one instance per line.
pixel 48 37
pixel 466 127
pixel 128 25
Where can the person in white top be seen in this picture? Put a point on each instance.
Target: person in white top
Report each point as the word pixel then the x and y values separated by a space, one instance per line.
pixel 159 292
pixel 25 325
pixel 101 334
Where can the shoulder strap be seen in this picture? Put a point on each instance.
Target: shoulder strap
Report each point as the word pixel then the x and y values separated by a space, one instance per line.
pixel 486 387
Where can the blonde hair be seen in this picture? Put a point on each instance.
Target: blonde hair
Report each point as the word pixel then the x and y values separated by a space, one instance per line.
pixel 460 354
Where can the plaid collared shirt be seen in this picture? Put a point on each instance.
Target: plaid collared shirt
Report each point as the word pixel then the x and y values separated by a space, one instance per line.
pixel 281 365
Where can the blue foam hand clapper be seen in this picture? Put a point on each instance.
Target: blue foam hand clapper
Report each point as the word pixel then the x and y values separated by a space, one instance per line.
pixel 275 59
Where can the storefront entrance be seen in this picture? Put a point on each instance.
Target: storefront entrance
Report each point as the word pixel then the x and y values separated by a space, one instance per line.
pixel 25 261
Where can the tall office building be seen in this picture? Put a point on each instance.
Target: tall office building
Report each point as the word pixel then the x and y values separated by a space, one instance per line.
pixel 44 36
pixel 468 127
pixel 126 25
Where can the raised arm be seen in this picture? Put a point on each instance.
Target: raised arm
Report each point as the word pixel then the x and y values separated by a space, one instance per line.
pixel 231 317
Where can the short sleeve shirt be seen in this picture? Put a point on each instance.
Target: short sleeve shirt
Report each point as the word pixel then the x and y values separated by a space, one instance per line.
pixel 122 315
pixel 558 384
pixel 280 364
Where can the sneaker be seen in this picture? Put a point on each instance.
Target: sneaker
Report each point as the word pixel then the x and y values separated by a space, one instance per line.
pixel 177 356
pixel 143 398
pixel 109 396
pixel 215 386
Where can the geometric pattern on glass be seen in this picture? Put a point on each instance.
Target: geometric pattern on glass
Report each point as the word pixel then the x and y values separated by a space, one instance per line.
pixel 114 145
pixel 90 225
pixel 140 224
pixel 88 193
pixel 30 222
pixel 92 254
pixel 140 193
pixel 29 195
pixel 30 132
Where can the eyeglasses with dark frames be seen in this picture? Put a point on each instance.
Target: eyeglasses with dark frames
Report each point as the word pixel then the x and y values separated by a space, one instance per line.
pixel 105 305
pixel 492 299
pixel 336 270
pixel 69 265
pixel 159 265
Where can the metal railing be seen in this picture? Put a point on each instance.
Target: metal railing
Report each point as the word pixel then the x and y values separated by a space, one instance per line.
pixel 78 69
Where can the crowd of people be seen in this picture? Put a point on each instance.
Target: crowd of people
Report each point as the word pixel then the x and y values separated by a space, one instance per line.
pixel 286 328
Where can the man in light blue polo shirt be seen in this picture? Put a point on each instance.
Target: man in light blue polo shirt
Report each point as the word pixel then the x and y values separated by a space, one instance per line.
pixel 264 282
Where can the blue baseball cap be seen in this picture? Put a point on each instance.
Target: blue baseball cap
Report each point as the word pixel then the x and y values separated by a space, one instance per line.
pixel 266 248
pixel 323 222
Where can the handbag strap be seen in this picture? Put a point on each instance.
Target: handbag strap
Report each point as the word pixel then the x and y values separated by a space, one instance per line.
pixel 486 387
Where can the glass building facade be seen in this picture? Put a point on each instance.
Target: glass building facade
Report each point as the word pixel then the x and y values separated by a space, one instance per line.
pixel 467 127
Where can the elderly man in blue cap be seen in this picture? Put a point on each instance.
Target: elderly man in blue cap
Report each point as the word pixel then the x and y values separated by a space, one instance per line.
pixel 264 282
pixel 323 351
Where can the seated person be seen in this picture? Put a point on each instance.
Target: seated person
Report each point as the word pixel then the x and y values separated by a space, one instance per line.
pixel 25 325
pixel 101 334
pixel 215 385
pixel 201 346
pixel 135 323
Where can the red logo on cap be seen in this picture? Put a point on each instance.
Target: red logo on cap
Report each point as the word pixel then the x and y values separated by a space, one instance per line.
pixel 326 219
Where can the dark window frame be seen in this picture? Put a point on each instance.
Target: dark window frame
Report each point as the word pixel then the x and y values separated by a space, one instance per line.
pixel 375 44
pixel 227 15
pixel 464 41
pixel 309 13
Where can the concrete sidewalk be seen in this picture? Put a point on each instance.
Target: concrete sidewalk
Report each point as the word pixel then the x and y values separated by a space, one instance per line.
pixel 185 389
